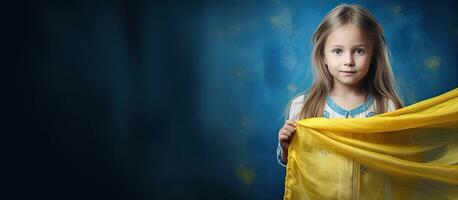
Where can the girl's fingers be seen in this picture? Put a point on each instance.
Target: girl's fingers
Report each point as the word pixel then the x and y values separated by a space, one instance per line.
pixel 286 133
pixel 291 123
pixel 284 138
pixel 289 128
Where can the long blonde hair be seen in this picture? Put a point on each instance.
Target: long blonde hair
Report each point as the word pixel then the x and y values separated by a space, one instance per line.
pixel 379 81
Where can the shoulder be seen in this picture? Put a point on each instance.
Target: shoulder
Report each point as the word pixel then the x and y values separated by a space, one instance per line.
pixel 295 106
pixel 300 98
pixel 391 105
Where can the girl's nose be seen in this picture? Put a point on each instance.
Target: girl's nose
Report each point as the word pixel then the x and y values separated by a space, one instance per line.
pixel 349 64
pixel 349 60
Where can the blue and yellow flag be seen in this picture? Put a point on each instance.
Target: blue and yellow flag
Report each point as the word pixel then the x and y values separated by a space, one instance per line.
pixel 410 153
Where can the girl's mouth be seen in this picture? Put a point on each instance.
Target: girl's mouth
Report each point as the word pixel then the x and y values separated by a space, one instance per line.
pixel 348 72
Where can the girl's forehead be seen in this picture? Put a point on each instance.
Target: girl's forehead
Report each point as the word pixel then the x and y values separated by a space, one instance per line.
pixel 347 35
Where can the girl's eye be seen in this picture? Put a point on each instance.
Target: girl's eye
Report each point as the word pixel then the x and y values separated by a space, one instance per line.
pixel 337 51
pixel 359 52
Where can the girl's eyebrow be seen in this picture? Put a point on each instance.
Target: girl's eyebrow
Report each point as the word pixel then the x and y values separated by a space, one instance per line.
pixel 338 45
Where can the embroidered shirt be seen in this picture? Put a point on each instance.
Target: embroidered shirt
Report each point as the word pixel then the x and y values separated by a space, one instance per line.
pixel 347 173
pixel 332 110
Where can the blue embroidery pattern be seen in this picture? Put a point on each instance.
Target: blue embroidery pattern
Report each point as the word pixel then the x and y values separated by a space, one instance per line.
pixel 326 114
pixel 353 112
pixel 370 114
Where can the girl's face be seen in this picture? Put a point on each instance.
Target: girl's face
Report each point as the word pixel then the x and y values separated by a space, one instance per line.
pixel 347 55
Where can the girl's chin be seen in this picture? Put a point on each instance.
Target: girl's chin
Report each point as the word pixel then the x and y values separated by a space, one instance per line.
pixel 347 81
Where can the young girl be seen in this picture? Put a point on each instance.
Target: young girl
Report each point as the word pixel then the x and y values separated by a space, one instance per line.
pixel 353 78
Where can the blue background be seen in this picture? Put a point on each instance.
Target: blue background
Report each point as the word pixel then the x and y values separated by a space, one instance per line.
pixel 180 100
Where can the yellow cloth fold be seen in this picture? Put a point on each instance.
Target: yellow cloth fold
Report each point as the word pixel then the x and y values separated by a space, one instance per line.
pixel 410 153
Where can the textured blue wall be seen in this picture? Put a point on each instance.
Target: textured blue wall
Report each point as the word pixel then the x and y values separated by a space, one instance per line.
pixel 146 100
pixel 257 55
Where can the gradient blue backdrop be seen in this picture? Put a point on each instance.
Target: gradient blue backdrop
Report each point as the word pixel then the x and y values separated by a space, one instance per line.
pixel 147 100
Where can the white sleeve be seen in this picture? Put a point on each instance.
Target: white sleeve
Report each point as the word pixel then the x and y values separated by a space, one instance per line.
pixel 391 106
pixel 293 114
pixel 296 107
pixel 279 156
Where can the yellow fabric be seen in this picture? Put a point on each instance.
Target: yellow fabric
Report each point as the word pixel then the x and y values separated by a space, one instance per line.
pixel 410 153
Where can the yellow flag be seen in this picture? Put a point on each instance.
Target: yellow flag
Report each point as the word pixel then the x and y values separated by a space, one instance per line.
pixel 410 153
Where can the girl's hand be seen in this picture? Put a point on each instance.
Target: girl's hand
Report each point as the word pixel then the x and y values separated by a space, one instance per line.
pixel 285 135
